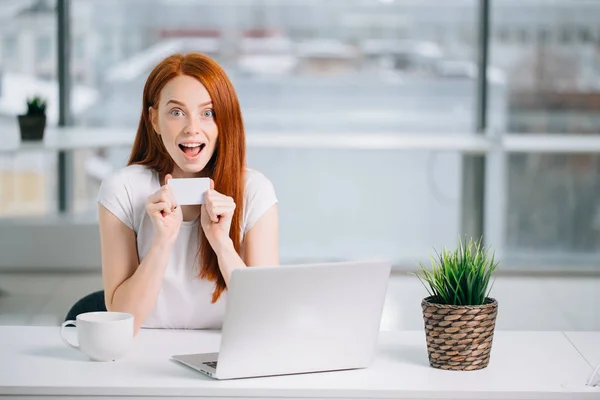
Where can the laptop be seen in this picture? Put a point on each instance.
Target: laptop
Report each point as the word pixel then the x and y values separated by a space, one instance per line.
pixel 293 319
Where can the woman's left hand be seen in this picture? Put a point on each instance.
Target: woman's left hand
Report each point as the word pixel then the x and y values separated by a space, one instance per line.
pixel 215 216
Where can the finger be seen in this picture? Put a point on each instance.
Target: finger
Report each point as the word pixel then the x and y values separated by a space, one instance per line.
pixel 163 194
pixel 167 189
pixel 159 197
pixel 168 192
pixel 155 197
pixel 214 217
pixel 163 208
pixel 223 205
pixel 218 212
pixel 212 183
pixel 225 210
pixel 209 196
pixel 215 196
pixel 220 201
pixel 205 209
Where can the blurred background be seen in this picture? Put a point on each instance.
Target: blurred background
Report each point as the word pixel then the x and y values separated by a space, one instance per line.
pixel 388 128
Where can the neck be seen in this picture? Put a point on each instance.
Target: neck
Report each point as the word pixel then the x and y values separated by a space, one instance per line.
pixel 178 173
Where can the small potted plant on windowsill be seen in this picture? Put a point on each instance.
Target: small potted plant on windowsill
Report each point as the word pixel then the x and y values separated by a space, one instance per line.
pixel 33 123
pixel 459 315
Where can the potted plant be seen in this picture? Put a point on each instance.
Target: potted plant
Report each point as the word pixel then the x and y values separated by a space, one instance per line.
pixel 33 123
pixel 459 315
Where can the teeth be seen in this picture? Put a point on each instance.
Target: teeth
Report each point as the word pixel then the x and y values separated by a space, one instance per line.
pixel 191 144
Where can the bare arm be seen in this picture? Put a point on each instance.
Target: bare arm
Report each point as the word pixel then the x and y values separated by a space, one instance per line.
pixel 259 248
pixel 261 243
pixel 131 286
pixel 128 285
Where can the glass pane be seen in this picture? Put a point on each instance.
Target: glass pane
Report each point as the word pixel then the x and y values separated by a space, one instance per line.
pixel 352 204
pixel 548 55
pixel 27 183
pixel 317 67
pixel 554 208
pixel 301 66
pixel 344 204
pixel 27 68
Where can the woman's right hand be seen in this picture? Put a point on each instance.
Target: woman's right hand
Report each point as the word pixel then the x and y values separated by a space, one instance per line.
pixel 165 214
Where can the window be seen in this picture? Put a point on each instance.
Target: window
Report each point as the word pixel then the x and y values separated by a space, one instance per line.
pixel 503 34
pixel 566 35
pixel 377 73
pixel 523 35
pixel 311 68
pixel 552 199
pixel 584 35
pixel 361 78
pixel 27 179
pixel 10 47
pixel 544 35
pixel 43 48
pixel 79 48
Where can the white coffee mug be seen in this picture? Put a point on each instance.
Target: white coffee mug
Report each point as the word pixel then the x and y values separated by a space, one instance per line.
pixel 102 335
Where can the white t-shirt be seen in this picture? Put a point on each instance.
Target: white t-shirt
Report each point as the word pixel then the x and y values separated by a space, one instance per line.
pixel 184 300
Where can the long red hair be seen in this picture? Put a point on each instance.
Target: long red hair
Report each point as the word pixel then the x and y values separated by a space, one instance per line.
pixel 226 166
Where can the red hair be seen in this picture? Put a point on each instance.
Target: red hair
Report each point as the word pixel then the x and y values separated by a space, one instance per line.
pixel 226 166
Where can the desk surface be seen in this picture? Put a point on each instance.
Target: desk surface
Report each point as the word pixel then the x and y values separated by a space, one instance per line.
pixel 523 365
pixel 588 344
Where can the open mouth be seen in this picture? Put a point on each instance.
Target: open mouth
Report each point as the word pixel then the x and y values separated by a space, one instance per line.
pixel 192 150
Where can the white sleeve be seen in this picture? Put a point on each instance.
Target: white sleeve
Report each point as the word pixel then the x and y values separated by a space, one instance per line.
pixel 115 196
pixel 260 196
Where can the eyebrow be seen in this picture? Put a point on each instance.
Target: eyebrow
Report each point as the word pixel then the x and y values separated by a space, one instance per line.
pixel 183 105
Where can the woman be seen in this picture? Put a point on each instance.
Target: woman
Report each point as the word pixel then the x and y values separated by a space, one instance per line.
pixel 166 264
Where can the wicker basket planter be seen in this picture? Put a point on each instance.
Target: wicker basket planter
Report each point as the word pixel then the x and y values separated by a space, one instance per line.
pixel 459 338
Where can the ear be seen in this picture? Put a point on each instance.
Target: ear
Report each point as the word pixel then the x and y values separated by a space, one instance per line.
pixel 153 115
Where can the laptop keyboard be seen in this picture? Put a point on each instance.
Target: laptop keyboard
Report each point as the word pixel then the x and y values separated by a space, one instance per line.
pixel 212 364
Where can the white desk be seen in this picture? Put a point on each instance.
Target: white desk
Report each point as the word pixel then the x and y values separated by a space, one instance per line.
pixel 524 365
pixel 588 344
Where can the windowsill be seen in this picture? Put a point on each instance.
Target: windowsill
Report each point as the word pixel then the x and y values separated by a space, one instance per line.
pixel 52 219
pixel 67 138
pixel 73 138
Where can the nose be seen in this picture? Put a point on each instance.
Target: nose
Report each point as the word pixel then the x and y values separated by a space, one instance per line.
pixel 193 126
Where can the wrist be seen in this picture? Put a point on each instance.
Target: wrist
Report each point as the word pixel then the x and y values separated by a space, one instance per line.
pixel 224 247
pixel 162 244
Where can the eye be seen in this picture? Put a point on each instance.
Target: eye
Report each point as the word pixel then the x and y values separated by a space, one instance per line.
pixel 176 112
pixel 210 113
